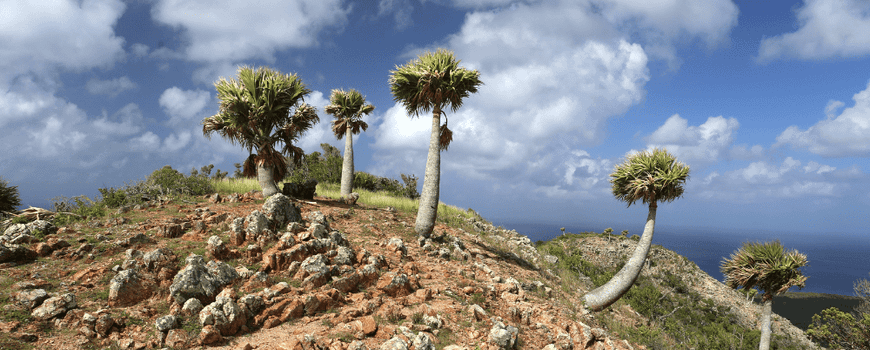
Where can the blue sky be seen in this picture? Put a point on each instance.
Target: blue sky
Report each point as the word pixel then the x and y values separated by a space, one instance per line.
pixel 767 101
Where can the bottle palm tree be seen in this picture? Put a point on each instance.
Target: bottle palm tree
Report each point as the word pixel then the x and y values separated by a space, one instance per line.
pixel 348 108
pixel 769 268
pixel 432 82
pixel 250 108
pixel 650 177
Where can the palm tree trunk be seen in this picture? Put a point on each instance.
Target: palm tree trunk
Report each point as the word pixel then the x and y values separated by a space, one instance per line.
pixel 428 209
pixel 614 289
pixel 347 164
pixel 266 180
pixel 764 343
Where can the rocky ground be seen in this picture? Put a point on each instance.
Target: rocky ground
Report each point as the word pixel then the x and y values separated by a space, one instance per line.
pixel 244 273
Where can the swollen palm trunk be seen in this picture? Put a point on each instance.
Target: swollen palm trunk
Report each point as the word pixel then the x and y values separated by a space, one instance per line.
pixel 347 164
pixel 428 209
pixel 764 342
pixel 266 180
pixel 614 289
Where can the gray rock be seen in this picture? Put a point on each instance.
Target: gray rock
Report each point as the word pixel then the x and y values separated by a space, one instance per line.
pixel 222 273
pixel 46 227
pixel 127 288
pixel 55 306
pixel 224 314
pixel 551 259
pixel 315 264
pixel 357 345
pixel 23 239
pixel 157 258
pixel 423 342
pixel 344 256
pixel 432 321
pixel 318 231
pixel 192 306
pixel 395 343
pixel 32 298
pixel 165 323
pixel 216 247
pixel 251 304
pixel 398 245
pixel 104 325
pixel 339 239
pixel 280 211
pixel 194 281
pixel 255 223
pixel 504 337
pixel 317 217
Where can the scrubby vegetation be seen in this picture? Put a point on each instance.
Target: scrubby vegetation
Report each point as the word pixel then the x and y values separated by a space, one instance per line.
pixel 672 316
pixel 8 197
pixel 835 328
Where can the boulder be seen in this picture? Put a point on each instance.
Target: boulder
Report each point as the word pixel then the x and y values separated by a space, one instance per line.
pixel 159 258
pixel 127 288
pixel 192 306
pixel 221 273
pixel 304 190
pixel 216 198
pixel 351 198
pixel 224 314
pixel 395 343
pixel 103 325
pixel 32 298
pixel 505 337
pixel 280 211
pixel 55 306
pixel 165 323
pixel 395 285
pixel 216 248
pixel 16 253
pixel 193 281
pixel 169 231
pixel 423 342
pixel 255 223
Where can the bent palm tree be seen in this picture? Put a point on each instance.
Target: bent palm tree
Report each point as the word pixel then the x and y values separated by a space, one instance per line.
pixel 431 82
pixel 650 177
pixel 348 107
pixel 767 267
pixel 250 108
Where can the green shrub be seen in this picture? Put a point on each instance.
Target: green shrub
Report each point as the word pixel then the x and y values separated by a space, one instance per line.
pixel 836 328
pixel 8 197
pixel 113 198
pixel 171 182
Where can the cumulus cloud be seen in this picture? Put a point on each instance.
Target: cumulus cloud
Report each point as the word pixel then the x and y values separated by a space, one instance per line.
pixel 827 28
pixel 554 72
pixel 111 87
pixel 400 9
pixel 66 34
pixel 788 179
pixel 231 31
pixel 844 135
pixel 704 143
pixel 184 106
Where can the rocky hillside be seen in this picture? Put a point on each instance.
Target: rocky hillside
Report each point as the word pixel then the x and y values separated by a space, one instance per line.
pixel 244 273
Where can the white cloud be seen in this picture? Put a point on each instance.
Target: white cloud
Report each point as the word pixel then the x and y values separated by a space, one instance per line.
pixel 111 87
pixel 127 121
pixel 828 28
pixel 146 142
pixel 554 72
pixel 139 50
pixel 703 143
pixel 184 106
pixel 38 36
pixel 401 10
pixel 322 131
pixel 764 180
pixel 847 134
pixel 231 31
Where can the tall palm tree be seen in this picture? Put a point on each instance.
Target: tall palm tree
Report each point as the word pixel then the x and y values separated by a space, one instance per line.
pixel 250 108
pixel 431 82
pixel 651 177
pixel 769 268
pixel 348 108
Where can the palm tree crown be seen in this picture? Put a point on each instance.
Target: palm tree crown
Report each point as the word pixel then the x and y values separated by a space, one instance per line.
pixel 649 176
pixel 259 102
pixel 431 82
pixel 765 266
pixel 348 108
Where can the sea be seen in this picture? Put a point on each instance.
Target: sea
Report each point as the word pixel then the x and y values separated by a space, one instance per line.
pixel 836 260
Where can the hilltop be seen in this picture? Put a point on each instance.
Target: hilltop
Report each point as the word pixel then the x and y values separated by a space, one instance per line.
pixel 337 276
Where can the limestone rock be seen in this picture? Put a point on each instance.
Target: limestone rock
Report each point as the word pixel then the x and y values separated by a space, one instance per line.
pixel 255 223
pixel 192 306
pixel 165 323
pixel 103 325
pixel 222 273
pixel 224 314
pixel 423 342
pixel 32 298
pixel 194 281
pixel 505 337
pixel 55 306
pixel 395 343
pixel 280 211
pixel 127 288
pixel 210 335
pixel 14 252
pixel 395 285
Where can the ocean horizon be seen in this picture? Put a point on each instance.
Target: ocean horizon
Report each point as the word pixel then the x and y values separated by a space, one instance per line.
pixel 836 261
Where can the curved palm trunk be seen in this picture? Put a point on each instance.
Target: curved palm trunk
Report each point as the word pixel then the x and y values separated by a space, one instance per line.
pixel 266 180
pixel 347 164
pixel 614 289
pixel 428 209
pixel 764 343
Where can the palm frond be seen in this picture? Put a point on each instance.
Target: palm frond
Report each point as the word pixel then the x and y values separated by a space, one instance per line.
pixel 649 176
pixel 765 266
pixel 433 79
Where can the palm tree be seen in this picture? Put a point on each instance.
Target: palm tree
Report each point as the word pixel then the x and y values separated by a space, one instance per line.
pixel 650 177
pixel 431 82
pixel 8 198
pixel 250 108
pixel 769 268
pixel 348 108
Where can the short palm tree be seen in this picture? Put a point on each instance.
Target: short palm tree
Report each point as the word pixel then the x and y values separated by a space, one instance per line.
pixel 769 268
pixel 432 82
pixel 348 108
pixel 651 177
pixel 261 101
pixel 8 198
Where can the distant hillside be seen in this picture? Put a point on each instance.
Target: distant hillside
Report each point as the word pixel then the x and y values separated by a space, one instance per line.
pixel 799 308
